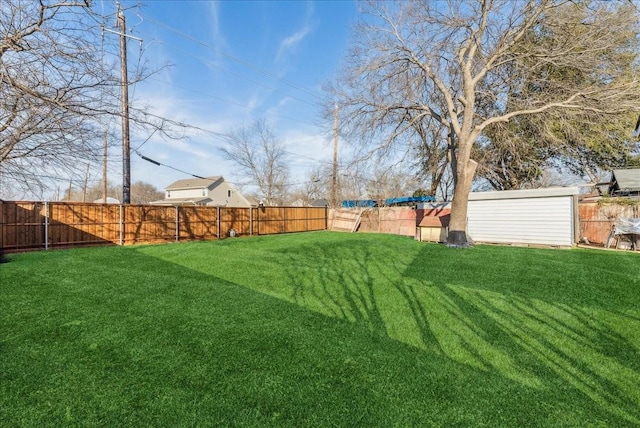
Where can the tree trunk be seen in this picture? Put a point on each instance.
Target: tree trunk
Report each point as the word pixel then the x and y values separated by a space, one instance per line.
pixel 457 236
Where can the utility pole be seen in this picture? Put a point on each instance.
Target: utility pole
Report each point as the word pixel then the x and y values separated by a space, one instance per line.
pixel 84 187
pixel 334 177
pixel 124 82
pixel 124 91
pixel 104 169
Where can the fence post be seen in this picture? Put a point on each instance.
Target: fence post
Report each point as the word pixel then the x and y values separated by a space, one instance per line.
pixel 250 221
pixel 121 225
pixel 218 221
pixel 326 217
pixel 575 204
pixel 1 229
pixel 177 224
pixel 46 225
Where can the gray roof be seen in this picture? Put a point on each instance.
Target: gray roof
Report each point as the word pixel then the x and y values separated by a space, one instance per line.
pixel 194 183
pixel 320 203
pixel 252 201
pixel 626 179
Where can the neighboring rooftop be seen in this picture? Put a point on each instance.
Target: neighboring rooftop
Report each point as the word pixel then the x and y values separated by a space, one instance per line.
pixel 625 182
pixel 193 183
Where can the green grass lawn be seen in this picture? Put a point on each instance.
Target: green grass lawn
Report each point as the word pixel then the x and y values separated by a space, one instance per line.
pixel 320 329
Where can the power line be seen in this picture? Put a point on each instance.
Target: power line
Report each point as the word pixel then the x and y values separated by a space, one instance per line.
pixel 167 166
pixel 147 140
pixel 155 162
pixel 248 64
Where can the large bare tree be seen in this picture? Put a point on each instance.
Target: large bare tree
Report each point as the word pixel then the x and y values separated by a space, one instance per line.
pixel 59 92
pixel 456 56
pixel 54 89
pixel 582 142
pixel 261 155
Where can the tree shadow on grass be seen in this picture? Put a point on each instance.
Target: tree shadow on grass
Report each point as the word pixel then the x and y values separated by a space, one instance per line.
pixel 491 319
pixel 558 341
pixel 341 286
pixel 141 341
pixel 470 316
pixel 152 343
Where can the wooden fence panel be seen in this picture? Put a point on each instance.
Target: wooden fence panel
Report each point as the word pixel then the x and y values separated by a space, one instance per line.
pixel 38 225
pixel 316 218
pixel 271 220
pixel 197 223
pixel 110 220
pixel 22 225
pixel 296 219
pixel 237 219
pixel 149 223
pixel 301 219
pixel 72 224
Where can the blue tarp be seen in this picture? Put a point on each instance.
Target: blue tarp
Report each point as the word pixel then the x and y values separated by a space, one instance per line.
pixel 409 200
pixel 359 203
pixel 369 203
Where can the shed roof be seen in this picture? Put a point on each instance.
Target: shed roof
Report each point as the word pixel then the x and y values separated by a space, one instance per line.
pixel 525 193
pixel 194 183
pixel 435 221
pixel 626 179
pixel 436 218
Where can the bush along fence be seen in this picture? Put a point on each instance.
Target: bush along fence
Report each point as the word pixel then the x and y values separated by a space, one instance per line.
pixel 44 225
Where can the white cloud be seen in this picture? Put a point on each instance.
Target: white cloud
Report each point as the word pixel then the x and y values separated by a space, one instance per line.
pixel 214 13
pixel 290 44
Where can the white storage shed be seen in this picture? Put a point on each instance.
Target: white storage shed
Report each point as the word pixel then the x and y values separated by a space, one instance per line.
pixel 536 216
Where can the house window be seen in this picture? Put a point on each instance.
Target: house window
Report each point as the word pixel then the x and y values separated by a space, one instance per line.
pixel 204 193
pixel 168 194
pixel 228 193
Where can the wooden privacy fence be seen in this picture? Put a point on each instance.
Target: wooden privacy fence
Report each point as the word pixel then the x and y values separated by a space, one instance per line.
pixel 44 225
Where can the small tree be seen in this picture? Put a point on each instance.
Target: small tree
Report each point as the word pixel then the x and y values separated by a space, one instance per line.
pixel 144 193
pixel 260 155
pixel 141 193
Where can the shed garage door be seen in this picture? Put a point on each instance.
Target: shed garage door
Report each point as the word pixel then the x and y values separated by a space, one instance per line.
pixel 540 216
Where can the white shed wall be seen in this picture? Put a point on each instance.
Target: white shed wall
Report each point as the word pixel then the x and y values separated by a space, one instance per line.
pixel 521 219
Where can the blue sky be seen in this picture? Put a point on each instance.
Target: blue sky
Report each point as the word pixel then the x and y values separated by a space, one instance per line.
pixel 232 62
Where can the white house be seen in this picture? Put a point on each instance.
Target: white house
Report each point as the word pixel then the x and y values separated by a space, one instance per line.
pixel 209 191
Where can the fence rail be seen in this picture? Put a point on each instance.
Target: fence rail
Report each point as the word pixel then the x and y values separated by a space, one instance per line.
pixel 44 225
